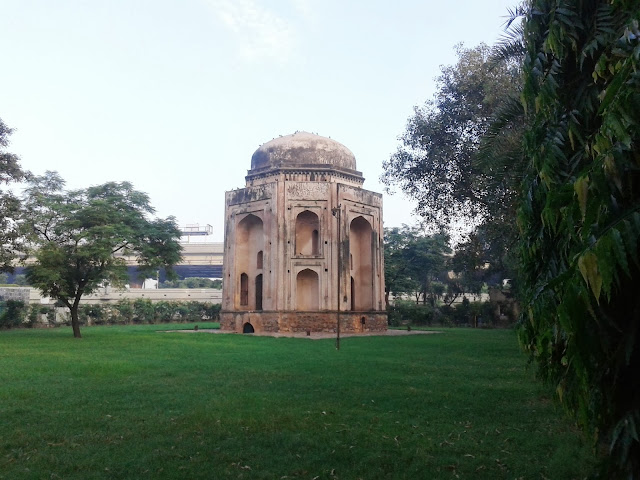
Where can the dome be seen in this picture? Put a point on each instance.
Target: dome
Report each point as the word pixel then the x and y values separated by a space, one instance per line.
pixel 302 149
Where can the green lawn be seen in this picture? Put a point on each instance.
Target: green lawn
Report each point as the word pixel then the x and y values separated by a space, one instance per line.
pixel 129 402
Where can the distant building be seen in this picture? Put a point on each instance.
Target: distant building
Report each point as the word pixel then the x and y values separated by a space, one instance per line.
pixel 303 242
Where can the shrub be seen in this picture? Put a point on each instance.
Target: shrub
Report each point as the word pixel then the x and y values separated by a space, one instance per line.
pixel 406 311
pixel 13 313
pixel 143 311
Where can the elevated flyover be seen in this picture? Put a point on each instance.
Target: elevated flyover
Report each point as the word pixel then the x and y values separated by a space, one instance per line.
pixel 198 260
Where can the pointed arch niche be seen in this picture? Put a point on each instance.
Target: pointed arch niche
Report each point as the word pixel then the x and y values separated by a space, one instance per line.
pixel 307 291
pixel 361 255
pixel 249 245
pixel 307 233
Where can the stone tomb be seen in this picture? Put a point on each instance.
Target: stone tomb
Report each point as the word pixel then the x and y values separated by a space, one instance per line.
pixel 303 243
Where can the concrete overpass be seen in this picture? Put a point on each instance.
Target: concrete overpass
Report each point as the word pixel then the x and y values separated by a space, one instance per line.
pixel 198 260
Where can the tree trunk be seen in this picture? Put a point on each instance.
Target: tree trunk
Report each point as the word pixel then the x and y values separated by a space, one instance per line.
pixel 75 323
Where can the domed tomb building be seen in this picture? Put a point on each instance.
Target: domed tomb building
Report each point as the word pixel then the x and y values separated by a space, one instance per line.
pixel 303 242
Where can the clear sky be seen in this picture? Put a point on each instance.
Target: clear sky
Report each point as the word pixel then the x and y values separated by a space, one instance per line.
pixel 176 95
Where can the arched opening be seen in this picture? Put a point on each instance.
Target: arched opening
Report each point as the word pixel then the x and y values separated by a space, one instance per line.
pixel 249 247
pixel 307 290
pixel 247 328
pixel 244 289
pixel 307 234
pixel 259 292
pixel 361 251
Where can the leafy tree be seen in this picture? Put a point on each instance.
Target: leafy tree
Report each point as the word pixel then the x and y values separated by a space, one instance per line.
pixel 429 264
pixel 397 262
pixel 10 172
pixel 467 265
pixel 580 216
pixel 414 261
pixel 77 238
pixel 438 162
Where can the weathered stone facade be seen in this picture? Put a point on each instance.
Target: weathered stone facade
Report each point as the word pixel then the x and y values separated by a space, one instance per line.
pixel 303 242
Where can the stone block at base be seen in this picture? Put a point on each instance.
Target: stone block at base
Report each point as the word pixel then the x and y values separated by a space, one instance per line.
pixel 292 322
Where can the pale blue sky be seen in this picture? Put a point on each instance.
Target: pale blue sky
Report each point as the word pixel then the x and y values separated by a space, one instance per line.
pixel 175 96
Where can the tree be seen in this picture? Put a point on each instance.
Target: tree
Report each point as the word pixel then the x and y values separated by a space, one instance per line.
pixel 467 265
pixel 397 262
pixel 438 162
pixel 413 261
pixel 77 239
pixel 580 215
pixel 10 172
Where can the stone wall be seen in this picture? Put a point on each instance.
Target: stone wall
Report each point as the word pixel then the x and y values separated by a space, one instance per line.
pixel 15 293
pixel 109 295
pixel 296 322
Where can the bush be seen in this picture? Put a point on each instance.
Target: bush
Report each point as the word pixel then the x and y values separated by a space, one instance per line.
pixel 93 314
pixel 13 313
pixel 124 312
pixel 467 313
pixel 406 311
pixel 17 314
pixel 143 311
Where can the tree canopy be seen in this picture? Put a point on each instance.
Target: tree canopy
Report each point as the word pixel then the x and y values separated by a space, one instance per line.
pixel 414 261
pixel 10 172
pixel 580 215
pixel 438 163
pixel 77 239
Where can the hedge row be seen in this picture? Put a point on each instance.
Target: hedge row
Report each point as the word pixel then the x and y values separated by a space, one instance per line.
pixel 466 313
pixel 17 314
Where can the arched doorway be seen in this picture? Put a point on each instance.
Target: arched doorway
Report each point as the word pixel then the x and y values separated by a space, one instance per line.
pixel 307 290
pixel 361 254
pixel 247 328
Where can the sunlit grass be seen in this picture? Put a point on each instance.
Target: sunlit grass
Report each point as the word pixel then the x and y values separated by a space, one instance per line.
pixel 129 402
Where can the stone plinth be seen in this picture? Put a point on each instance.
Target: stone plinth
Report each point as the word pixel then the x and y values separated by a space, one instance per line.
pixel 294 322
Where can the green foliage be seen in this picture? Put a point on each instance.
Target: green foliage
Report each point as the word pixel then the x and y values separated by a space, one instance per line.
pixel 78 238
pixel 34 317
pixel 437 164
pixel 414 262
pixel 465 313
pixel 143 311
pixel 408 312
pixel 92 314
pixel 125 312
pixel 13 313
pixel 192 282
pixel 10 172
pixel 580 216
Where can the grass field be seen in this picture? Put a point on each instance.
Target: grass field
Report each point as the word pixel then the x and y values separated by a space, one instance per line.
pixel 129 402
